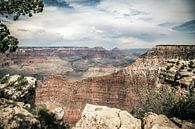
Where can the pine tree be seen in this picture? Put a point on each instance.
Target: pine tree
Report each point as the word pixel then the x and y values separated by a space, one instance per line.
pixel 15 8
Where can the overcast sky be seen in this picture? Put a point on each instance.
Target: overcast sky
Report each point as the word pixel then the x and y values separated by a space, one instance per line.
pixel 106 23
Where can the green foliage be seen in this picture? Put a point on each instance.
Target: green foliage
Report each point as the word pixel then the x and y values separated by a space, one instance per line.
pixel 18 7
pixel 21 83
pixel 4 80
pixel 185 109
pixel 37 108
pixel 48 120
pixel 160 102
pixel 7 42
pixel 167 103
pixel 191 63
pixel 15 8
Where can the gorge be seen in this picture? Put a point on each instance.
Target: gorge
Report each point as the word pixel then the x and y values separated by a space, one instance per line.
pixel 124 89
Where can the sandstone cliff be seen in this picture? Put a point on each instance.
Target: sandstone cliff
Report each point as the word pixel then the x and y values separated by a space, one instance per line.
pixel 124 89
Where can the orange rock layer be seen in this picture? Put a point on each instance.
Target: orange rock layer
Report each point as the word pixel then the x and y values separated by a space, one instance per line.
pixel 124 89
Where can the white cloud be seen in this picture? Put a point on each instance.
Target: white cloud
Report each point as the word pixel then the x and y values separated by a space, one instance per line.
pixel 122 24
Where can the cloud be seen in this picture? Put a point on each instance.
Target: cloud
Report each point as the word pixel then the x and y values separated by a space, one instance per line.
pixel 83 2
pixel 57 3
pixel 107 23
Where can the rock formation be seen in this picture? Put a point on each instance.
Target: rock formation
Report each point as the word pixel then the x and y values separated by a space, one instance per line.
pixel 102 117
pixel 18 88
pixel 124 89
pixel 17 107
pixel 14 115
pixel 70 62
pixel 178 74
pixel 16 98
pixel 154 121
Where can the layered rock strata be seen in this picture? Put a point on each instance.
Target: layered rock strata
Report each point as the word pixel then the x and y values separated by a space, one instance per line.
pixel 124 89
pixel 71 62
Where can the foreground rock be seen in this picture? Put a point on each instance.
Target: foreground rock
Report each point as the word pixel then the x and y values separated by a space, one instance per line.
pixel 17 109
pixel 102 117
pixel 14 115
pixel 18 88
pixel 154 121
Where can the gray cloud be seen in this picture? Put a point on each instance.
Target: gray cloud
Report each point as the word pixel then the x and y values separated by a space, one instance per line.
pixel 106 23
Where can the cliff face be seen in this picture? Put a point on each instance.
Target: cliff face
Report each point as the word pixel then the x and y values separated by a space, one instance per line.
pixel 124 89
pixel 72 63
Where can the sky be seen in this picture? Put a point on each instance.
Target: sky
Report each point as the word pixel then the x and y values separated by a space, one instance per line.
pixel 107 23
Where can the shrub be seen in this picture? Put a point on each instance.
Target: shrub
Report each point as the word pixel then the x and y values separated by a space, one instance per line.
pixel 48 120
pixel 21 83
pixel 191 63
pixel 167 103
pixel 4 79
pixel 185 108
pixel 159 102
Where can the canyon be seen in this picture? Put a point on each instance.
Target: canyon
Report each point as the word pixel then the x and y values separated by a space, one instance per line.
pixel 124 89
pixel 73 63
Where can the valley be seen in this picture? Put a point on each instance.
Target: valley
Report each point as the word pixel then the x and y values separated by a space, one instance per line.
pixel 124 89
pixel 72 63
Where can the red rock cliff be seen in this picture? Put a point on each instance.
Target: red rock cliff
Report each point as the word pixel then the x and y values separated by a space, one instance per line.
pixel 124 89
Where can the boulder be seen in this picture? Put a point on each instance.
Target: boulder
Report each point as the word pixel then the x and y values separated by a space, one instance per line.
pixel 59 113
pixel 14 115
pixel 102 117
pixel 154 121
pixel 183 123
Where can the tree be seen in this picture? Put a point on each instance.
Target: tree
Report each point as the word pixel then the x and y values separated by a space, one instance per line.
pixel 15 8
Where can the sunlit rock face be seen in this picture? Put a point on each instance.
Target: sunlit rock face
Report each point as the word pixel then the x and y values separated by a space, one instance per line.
pixel 102 117
pixel 16 115
pixel 154 121
pixel 124 89
pixel 179 76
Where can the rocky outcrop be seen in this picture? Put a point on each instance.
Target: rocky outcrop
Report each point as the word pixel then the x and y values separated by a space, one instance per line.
pixel 18 88
pixel 59 113
pixel 14 115
pixel 102 117
pixel 124 89
pixel 17 94
pixel 179 75
pixel 183 124
pixel 154 121
pixel 17 106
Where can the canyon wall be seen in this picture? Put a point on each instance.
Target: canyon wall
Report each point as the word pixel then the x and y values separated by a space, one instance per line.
pixel 70 62
pixel 124 89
